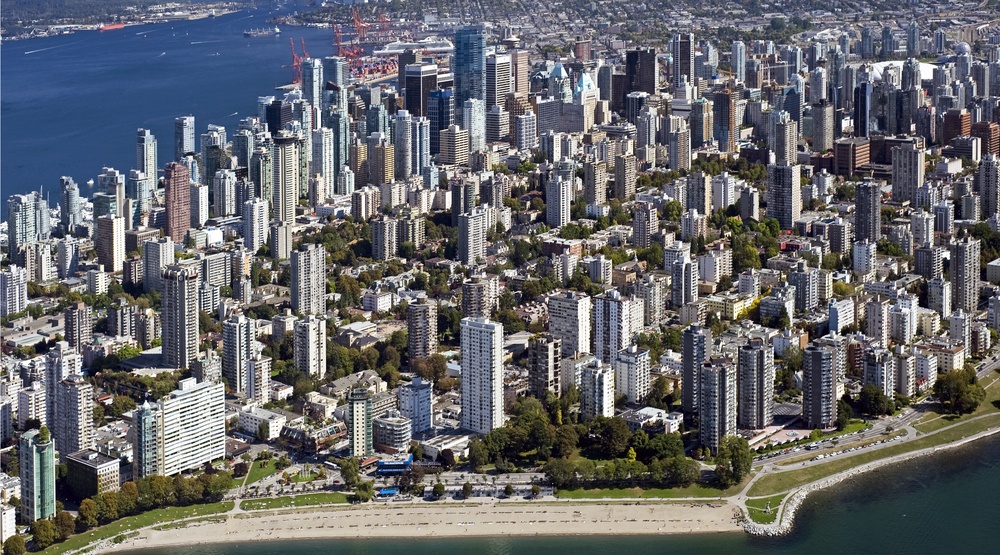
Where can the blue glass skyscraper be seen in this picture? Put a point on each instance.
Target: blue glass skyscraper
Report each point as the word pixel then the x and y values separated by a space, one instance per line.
pixel 468 66
pixel 441 113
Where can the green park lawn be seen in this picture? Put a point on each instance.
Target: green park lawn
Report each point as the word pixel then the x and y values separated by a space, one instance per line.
pixel 758 508
pixel 258 472
pixel 149 518
pixel 784 481
pixel 304 500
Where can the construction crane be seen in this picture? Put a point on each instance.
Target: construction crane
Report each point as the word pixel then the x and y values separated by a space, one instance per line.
pixel 305 54
pixel 296 64
pixel 338 40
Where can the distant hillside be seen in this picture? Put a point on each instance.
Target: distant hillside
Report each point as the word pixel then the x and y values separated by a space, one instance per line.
pixel 52 11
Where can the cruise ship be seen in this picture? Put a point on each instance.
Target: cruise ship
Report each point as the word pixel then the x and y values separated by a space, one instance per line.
pixel 429 45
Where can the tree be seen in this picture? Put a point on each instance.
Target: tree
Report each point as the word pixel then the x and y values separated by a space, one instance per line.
pixel 508 490
pixel 447 459
pixel 107 507
pixel 14 545
pixel 438 490
pixel 87 515
pixel 681 471
pixel 959 391
pixel 365 491
pixel 733 461
pixel 479 456
pixel 466 490
pixel 65 526
pixel 844 414
pixel 44 532
pixel 350 472
pixel 560 472
pixel 874 402
pixel 613 435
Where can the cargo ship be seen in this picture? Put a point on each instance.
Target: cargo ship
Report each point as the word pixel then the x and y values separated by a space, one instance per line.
pixel 111 27
pixel 257 33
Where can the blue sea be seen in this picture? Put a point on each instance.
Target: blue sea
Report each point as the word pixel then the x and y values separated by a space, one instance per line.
pixel 72 104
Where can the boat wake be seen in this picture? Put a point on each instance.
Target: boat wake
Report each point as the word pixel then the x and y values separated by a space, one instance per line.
pixel 204 41
pixel 51 47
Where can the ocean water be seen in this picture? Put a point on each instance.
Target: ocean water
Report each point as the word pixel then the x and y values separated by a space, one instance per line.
pixel 945 503
pixel 71 104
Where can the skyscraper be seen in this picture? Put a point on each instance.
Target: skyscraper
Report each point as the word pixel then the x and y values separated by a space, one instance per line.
pixel 724 120
pixel 359 421
pixel 440 114
pixel 238 336
pixel 625 177
pixel 756 385
pixel 716 402
pixel 819 387
pixel 682 48
pixel 74 415
pixel 868 209
pixel 285 181
pixel 738 60
pixel 472 230
pixel 696 344
pixel 482 375
pixel 421 326
pixel 111 242
pixel 988 184
pixel 156 255
pixel 420 80
pixel 183 137
pixel 641 70
pixel 645 223
pixel 632 378
pixel 469 64
pixel 36 456
pixel 784 193
pixel 79 325
pixel 570 321
pixel 145 152
pixel 617 321
pixel 965 254
pixel 498 79
pixel 908 172
pixel 13 290
pixel 544 358
pixel 559 194
pixel 309 279
pixel 322 161
pixel 177 190
pixel 683 281
pixel 310 346
pixel 180 315
pixel 254 223
pixel 69 204
pixel 595 182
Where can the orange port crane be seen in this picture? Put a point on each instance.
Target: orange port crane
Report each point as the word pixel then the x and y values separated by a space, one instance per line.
pixel 296 63
pixel 305 53
pixel 360 25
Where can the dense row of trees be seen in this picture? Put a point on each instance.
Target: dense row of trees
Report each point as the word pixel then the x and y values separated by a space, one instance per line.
pixel 959 391
pixel 134 497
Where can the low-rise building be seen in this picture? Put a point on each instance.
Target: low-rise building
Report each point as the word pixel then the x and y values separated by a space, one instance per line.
pixel 90 473
pixel 392 433
pixel 264 424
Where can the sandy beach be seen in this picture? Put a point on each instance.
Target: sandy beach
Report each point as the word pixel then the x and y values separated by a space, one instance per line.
pixel 426 520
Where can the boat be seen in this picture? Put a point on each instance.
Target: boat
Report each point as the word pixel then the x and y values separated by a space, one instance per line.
pixel 257 33
pixel 111 27
pixel 429 45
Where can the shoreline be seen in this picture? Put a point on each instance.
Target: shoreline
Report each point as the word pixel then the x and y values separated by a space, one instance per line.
pixel 597 517
pixel 440 521
pixel 785 521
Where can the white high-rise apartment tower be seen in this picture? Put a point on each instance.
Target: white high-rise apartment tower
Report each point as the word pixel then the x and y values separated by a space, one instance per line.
pixel 309 279
pixel 482 375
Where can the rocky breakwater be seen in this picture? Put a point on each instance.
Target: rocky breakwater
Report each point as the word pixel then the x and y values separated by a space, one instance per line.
pixel 786 518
